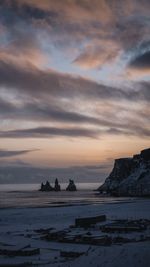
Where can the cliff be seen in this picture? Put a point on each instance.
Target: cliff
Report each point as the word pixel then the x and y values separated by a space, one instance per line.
pixel 130 176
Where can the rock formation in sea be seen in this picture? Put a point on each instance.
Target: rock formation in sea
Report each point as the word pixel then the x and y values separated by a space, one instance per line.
pixel 57 185
pixel 71 186
pixel 129 177
pixel 46 187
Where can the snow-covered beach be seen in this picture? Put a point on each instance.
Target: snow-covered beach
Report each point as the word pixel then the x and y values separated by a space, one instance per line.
pixel 21 227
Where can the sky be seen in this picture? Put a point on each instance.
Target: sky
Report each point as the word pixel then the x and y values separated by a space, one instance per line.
pixel 74 87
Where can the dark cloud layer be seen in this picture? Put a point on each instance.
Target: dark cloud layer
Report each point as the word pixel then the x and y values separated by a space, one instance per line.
pixel 141 62
pixel 12 153
pixel 40 95
pixel 47 132
pixel 36 83
pixel 48 113
pixel 51 132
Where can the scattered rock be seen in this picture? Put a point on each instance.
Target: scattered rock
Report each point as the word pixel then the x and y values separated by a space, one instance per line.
pixel 124 226
pixel 20 252
pixel 86 222
pixel 70 254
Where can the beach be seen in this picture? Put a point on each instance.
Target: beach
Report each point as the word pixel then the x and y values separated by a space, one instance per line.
pixel 21 227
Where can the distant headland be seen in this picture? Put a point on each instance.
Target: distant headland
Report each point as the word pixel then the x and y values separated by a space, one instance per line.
pixel 129 177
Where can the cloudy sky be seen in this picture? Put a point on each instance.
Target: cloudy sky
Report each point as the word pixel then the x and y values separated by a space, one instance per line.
pixel 74 84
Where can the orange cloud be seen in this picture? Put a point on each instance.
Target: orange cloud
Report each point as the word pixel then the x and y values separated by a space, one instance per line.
pixel 137 74
pixel 97 53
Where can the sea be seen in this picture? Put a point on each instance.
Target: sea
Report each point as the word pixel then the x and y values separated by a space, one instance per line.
pixel 28 195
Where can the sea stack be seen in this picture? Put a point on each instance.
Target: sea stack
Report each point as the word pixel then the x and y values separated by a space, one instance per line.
pixel 71 186
pixel 46 187
pixel 129 177
pixel 57 185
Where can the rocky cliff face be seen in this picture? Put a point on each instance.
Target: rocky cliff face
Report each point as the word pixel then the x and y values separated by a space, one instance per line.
pixel 130 176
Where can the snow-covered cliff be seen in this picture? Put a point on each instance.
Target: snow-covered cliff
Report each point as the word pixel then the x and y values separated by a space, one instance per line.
pixel 130 176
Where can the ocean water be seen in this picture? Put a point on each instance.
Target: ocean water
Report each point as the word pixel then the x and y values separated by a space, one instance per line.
pixel 35 187
pixel 28 195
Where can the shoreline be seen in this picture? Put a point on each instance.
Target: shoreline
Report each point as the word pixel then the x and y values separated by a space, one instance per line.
pixel 95 200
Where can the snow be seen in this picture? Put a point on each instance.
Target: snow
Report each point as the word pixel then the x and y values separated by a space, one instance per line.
pixel 17 227
pixel 115 256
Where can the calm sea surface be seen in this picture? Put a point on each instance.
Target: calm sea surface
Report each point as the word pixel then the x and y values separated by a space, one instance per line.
pixel 35 187
pixel 27 195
